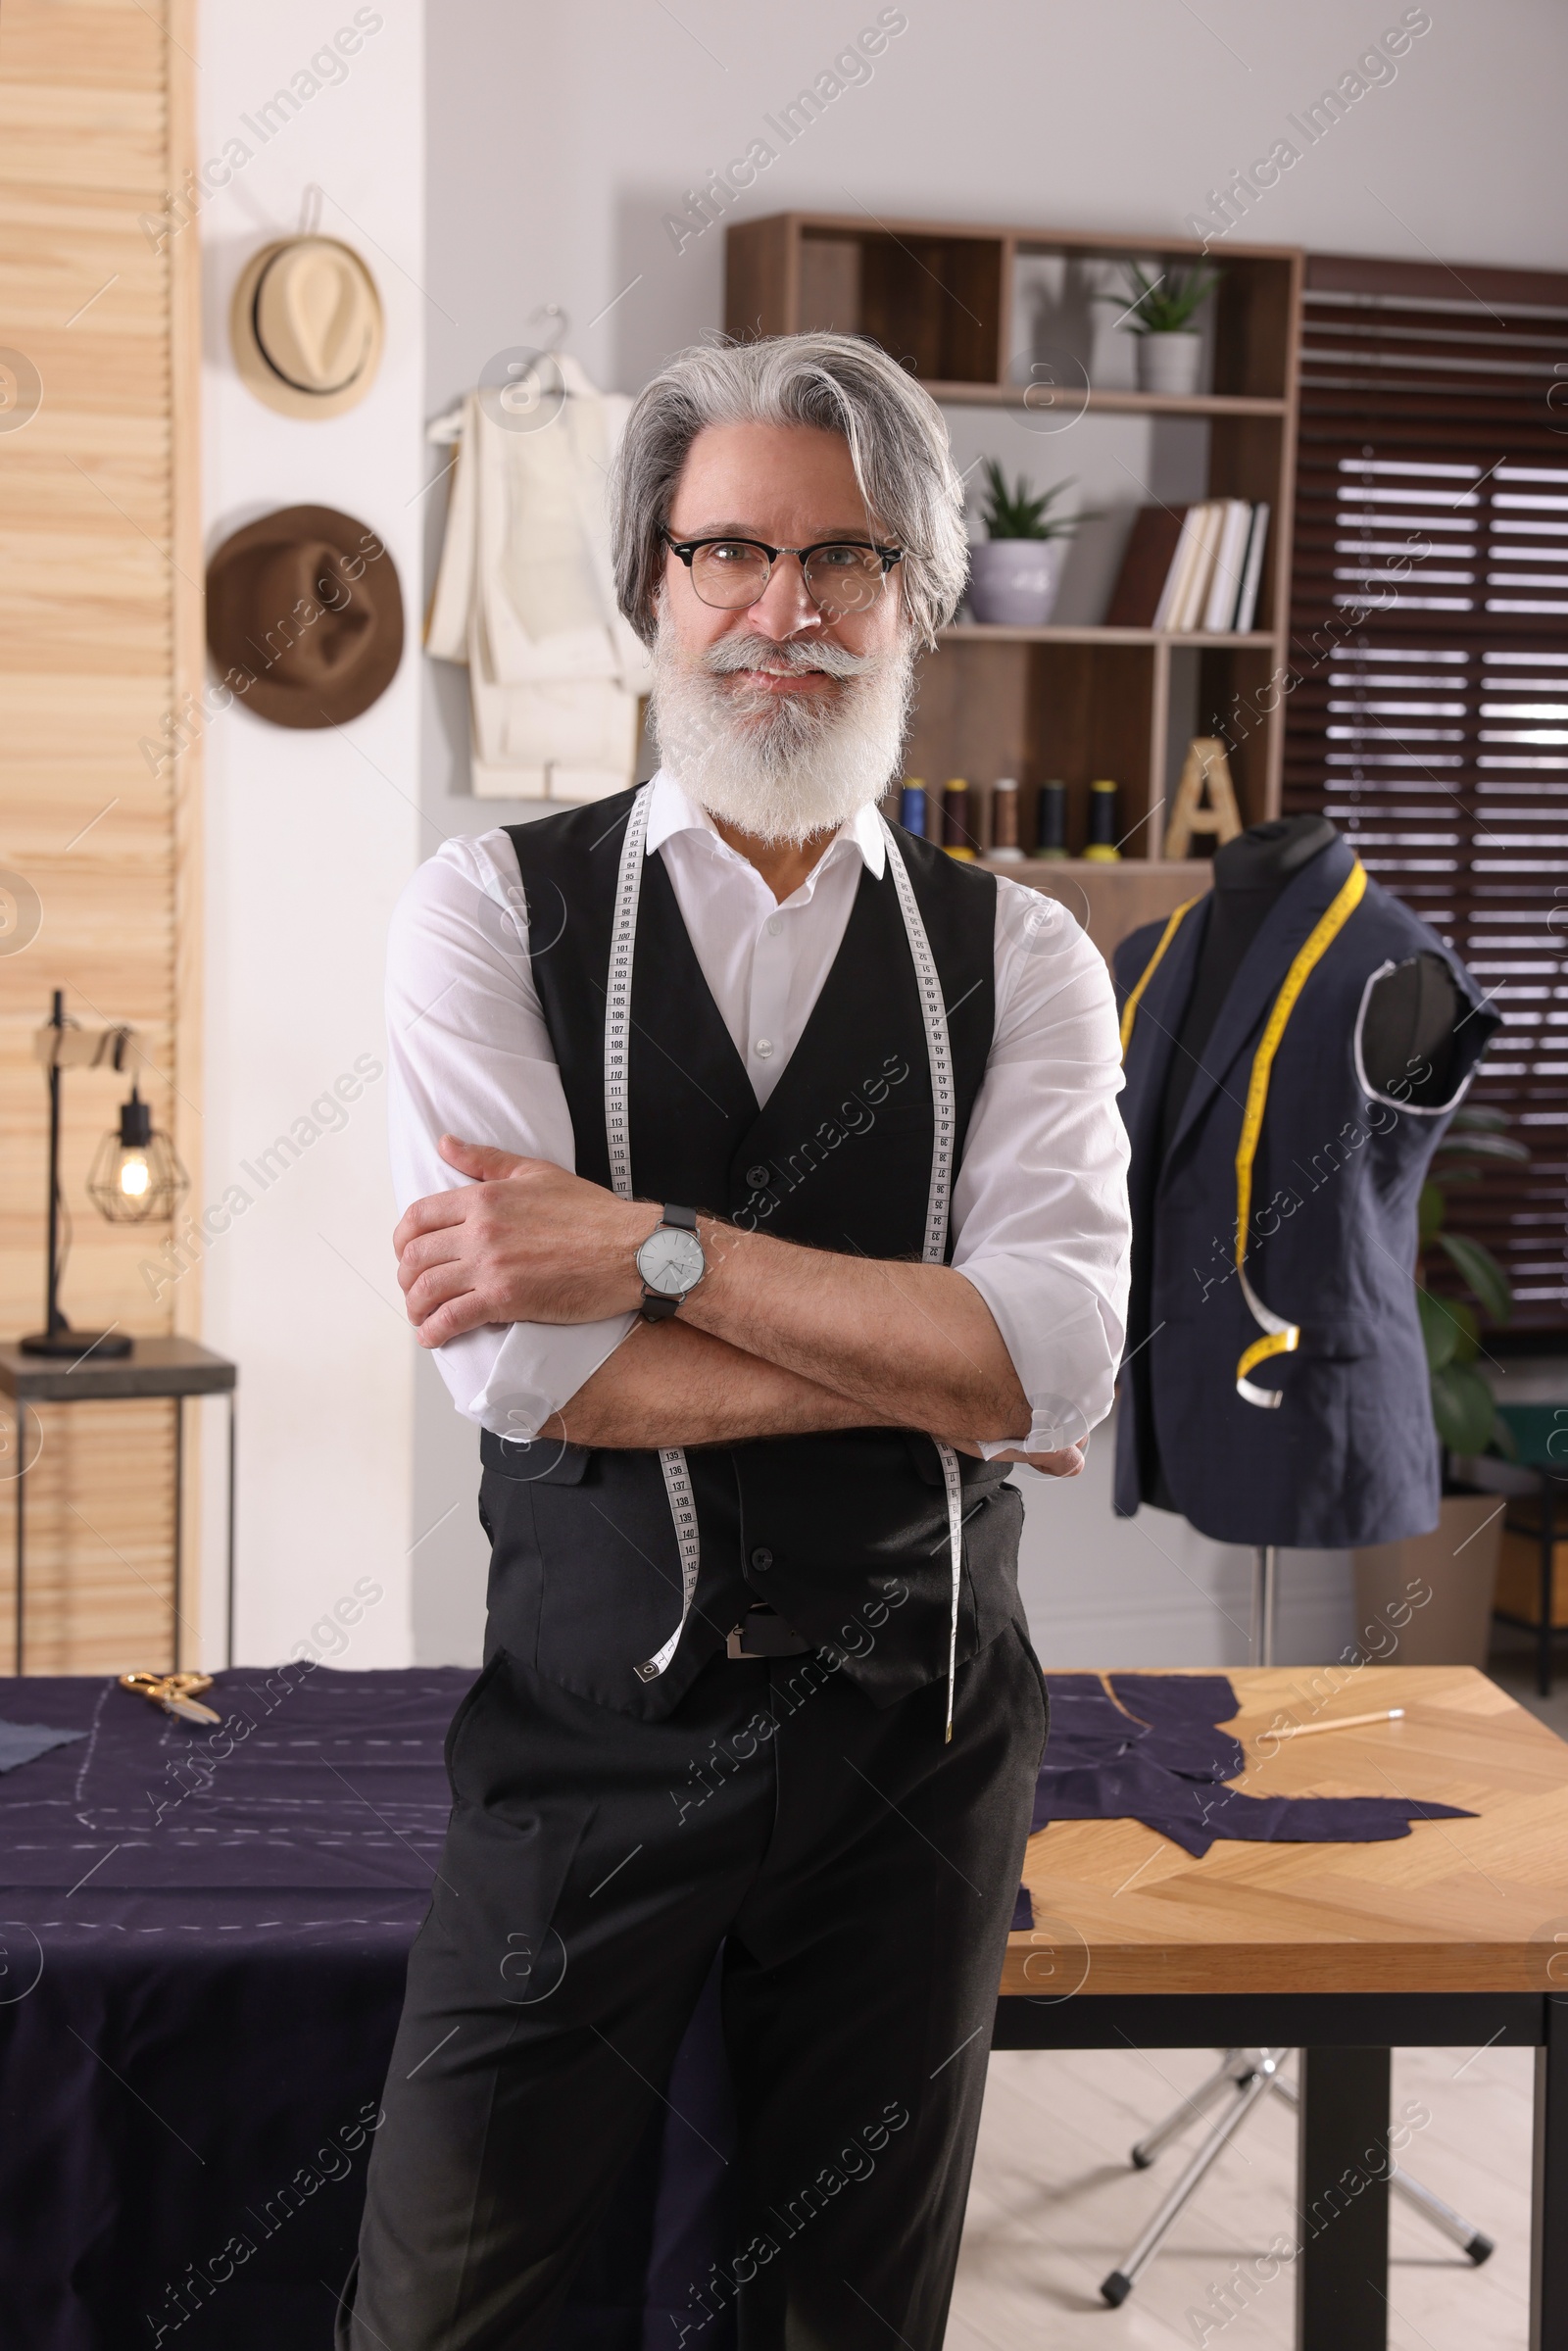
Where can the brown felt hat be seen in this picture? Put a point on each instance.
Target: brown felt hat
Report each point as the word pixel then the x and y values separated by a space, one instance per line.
pixel 305 616
pixel 305 326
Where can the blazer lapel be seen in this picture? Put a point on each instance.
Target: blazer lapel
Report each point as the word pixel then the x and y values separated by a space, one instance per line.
pixel 1155 1025
pixel 1285 932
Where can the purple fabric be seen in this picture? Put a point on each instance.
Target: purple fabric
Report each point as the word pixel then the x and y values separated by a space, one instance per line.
pixel 203 1937
pixel 1156 1754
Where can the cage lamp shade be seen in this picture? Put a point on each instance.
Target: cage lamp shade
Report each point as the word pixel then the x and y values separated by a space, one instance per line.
pixel 136 1176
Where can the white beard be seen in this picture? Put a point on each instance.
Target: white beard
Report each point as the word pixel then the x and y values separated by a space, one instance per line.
pixel 781 766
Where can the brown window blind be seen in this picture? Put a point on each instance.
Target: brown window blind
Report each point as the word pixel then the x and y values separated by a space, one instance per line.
pixel 1429 623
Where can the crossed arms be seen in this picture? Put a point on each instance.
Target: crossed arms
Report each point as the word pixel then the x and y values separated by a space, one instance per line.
pixel 776 1339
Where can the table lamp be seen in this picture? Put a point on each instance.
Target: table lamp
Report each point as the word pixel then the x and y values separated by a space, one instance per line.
pixel 135 1175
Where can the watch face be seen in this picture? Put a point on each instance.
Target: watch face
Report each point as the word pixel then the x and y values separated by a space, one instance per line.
pixel 670 1261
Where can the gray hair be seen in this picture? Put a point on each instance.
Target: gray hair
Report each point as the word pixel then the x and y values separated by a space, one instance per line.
pixel 897 445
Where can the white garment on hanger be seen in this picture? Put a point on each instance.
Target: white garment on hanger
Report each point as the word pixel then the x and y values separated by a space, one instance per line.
pixel 525 598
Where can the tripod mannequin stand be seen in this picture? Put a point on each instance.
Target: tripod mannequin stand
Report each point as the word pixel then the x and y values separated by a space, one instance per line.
pixel 1252 2074
pixel 1265 1604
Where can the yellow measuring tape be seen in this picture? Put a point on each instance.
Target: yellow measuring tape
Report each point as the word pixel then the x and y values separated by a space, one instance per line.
pixel 1281 1338
pixel 1130 1008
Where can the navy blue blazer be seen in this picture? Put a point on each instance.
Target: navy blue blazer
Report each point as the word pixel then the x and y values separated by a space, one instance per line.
pixel 1350 1456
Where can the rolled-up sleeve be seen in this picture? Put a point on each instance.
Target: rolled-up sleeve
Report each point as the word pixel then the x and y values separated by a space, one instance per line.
pixel 1040 1210
pixel 471 1057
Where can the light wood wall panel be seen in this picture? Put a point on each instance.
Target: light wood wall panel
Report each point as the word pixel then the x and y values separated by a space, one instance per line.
pixel 100 602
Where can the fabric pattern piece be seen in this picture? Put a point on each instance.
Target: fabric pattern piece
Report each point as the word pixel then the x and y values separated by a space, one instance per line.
pixel 22 1742
pixel 1151 1750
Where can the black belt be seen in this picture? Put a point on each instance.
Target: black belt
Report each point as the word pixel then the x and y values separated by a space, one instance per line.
pixel 762 1632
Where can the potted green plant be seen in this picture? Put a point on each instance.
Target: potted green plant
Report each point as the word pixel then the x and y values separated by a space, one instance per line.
pixel 1014 571
pixel 1457 1563
pixel 1170 348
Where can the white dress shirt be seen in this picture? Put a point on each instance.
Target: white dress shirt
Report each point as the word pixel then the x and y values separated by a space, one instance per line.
pixel 1039 1216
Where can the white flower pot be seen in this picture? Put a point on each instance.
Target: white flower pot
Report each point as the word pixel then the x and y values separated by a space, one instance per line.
pixel 1169 363
pixel 1013 582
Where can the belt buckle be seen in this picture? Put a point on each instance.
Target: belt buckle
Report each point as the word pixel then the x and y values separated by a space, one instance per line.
pixel 762 1619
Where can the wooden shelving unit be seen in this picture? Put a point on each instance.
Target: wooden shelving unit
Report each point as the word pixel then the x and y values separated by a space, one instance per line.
pixel 1076 702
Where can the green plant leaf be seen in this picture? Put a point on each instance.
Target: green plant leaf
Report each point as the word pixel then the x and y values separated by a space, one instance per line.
pixel 1468 1345
pixel 1163 304
pixel 1486 1147
pixel 1463 1409
pixel 1481 1273
pixel 1430 1212
pixel 1479 1117
pixel 1024 513
pixel 1440 1332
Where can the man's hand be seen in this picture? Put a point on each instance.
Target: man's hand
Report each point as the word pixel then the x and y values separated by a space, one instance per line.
pixel 904 1345
pixel 526 1241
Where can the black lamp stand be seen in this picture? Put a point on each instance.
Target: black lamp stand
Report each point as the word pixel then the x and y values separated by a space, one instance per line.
pixel 57 1339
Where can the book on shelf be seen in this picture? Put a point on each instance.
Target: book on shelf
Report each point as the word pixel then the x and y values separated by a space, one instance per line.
pixel 1189 570
pixel 1230 555
pixel 1186 613
pixel 1145 566
pixel 1252 569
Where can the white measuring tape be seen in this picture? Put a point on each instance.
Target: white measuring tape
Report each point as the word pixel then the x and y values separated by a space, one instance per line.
pixel 943 1116
pixel 617 1139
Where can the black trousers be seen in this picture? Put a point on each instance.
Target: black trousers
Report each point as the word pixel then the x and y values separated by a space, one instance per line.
pixel 860 1876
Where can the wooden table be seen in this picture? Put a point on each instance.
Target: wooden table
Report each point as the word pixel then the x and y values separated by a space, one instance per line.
pixel 1455 1935
pixel 175 1368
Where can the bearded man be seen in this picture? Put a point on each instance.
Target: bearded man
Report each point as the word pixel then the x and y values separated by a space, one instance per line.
pixel 791 1213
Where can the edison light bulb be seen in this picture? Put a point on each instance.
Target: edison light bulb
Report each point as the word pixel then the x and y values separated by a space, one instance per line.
pixel 135 1175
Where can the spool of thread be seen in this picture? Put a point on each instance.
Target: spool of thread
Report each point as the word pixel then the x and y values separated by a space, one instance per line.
pixel 912 806
pixel 1102 844
pixel 1051 834
pixel 1005 820
pixel 957 836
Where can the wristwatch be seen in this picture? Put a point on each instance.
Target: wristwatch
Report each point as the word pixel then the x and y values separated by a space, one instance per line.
pixel 670 1262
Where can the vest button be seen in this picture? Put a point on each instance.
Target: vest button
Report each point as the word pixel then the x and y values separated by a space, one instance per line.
pixel 762 1561
pixel 757 1176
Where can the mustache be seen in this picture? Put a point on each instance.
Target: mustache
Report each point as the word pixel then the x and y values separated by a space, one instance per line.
pixel 729 654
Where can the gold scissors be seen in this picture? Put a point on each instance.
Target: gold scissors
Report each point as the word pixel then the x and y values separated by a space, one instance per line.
pixel 175 1693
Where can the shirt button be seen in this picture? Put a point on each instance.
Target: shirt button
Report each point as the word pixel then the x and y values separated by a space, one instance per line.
pixel 763 1048
pixel 775 923
pixel 757 1176
pixel 762 1561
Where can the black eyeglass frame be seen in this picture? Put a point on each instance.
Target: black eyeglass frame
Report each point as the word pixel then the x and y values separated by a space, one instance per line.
pixel 688 549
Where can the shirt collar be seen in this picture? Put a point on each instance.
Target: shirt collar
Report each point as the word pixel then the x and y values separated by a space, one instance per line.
pixel 670 811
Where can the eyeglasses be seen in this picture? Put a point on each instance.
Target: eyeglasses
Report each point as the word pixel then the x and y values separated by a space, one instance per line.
pixel 842 575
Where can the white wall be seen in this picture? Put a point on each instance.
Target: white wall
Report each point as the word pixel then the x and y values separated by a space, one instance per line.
pixel 559 139
pixel 309 835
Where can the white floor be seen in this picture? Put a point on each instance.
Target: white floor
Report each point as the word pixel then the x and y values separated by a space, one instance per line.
pixel 1054 2206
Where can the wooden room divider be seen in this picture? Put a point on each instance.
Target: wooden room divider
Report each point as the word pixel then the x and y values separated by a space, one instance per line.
pixel 100 676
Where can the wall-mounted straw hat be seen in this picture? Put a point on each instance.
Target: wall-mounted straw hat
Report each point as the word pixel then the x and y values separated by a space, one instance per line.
pixel 305 326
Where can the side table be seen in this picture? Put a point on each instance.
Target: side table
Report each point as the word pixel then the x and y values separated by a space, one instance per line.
pixel 155 1367
pixel 1540 1433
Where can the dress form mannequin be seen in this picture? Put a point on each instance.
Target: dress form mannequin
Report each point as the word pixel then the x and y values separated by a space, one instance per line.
pixel 1406 1043
pixel 1407 1036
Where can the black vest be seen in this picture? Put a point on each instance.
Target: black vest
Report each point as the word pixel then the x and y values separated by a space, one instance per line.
pixel 844 1534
